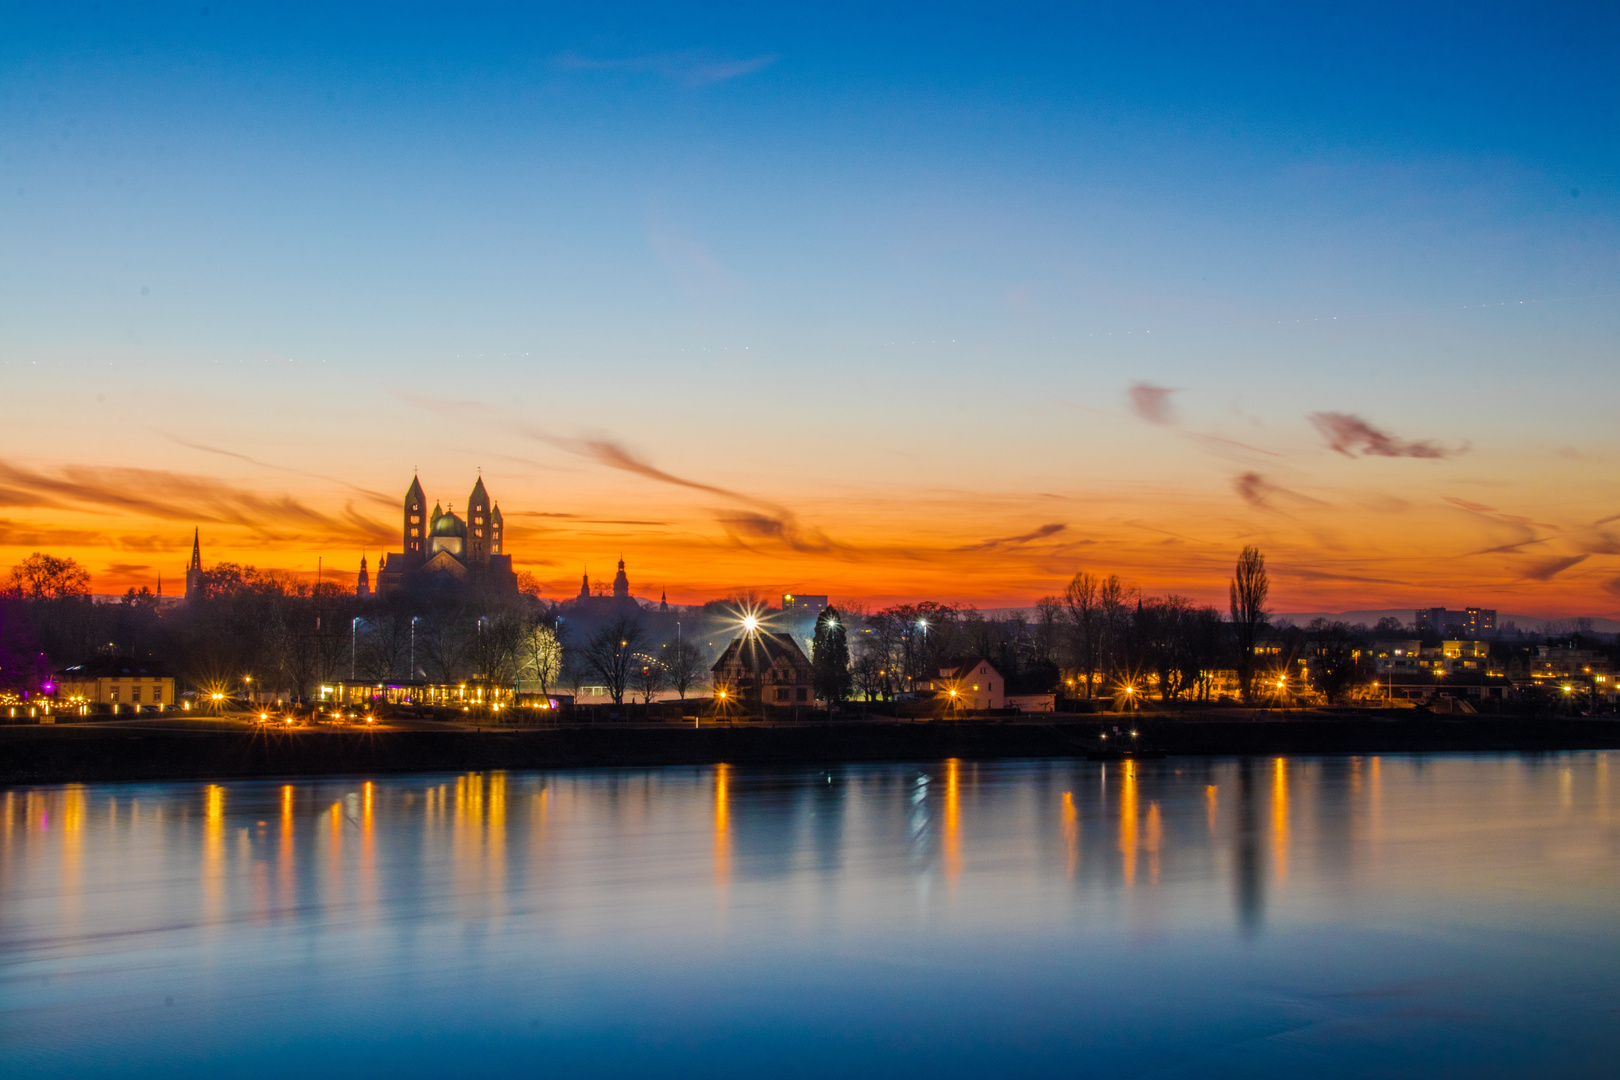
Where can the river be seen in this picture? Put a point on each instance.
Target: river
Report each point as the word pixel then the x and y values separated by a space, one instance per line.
pixel 1398 915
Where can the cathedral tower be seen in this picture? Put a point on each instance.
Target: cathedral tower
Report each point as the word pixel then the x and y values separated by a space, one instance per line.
pixel 362 587
pixel 478 525
pixel 415 527
pixel 621 582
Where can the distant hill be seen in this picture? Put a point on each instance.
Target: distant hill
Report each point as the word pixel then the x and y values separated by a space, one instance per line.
pixel 1524 622
pixel 1405 615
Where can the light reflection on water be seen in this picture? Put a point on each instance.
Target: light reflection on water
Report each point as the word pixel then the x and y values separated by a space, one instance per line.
pixel 1405 915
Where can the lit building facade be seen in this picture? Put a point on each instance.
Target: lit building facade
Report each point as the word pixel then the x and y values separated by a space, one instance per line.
pixel 111 680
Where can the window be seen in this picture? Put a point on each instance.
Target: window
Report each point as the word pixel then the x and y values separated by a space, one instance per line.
pixel 781 693
pixel 415 518
pixel 112 695
pixel 135 693
pixel 802 694
pixel 478 532
pixel 157 695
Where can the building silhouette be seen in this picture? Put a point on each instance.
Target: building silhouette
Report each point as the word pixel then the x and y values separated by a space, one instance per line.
pixel 443 549
pixel 194 570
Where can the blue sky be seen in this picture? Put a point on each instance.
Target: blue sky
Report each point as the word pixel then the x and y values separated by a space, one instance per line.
pixel 812 222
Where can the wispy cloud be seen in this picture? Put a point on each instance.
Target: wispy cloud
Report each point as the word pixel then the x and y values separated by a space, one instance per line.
pixel 169 496
pixel 1547 569
pixel 1001 543
pixel 1152 403
pixel 376 496
pixel 780 529
pixel 1349 434
pixel 1257 491
pixel 691 68
pixel 615 455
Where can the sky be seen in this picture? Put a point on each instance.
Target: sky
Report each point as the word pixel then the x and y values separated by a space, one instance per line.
pixel 943 301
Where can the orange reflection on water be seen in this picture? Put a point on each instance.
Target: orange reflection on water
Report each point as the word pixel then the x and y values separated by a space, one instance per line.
pixel 1375 802
pixel 1212 795
pixel 1279 816
pixel 213 866
pixel 1071 832
pixel 497 834
pixel 1153 841
pixel 722 828
pixel 1127 821
pixel 73 812
pixel 368 876
pixel 953 821
pixel 285 880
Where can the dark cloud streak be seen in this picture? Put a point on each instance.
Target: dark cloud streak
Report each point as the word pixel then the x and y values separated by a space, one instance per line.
pixel 1347 433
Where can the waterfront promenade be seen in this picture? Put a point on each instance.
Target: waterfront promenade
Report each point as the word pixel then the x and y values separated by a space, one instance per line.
pixel 172 748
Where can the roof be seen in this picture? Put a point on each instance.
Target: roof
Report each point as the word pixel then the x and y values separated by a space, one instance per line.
pixel 115 667
pixel 772 647
pixel 958 666
pixel 448 525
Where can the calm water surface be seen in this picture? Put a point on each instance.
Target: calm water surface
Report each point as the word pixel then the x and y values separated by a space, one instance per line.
pixel 1326 917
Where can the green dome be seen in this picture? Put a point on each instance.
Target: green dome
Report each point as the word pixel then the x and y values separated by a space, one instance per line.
pixel 449 525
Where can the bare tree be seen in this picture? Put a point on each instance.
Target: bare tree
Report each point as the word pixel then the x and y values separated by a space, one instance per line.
pixel 648 676
pixel 1333 665
pixel 495 647
pixel 611 654
pixel 385 644
pixel 1085 627
pixel 685 666
pixel 871 680
pixel 1248 591
pixel 443 641
pixel 1048 628
pixel 541 654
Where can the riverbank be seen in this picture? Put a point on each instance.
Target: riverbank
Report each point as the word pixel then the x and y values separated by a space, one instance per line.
pixel 169 750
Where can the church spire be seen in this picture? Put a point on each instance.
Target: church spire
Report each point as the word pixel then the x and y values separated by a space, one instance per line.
pixel 194 570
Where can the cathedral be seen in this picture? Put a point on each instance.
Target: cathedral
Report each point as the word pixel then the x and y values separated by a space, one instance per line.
pixel 443 549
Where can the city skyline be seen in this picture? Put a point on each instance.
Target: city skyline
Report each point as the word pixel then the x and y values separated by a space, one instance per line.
pixel 871 306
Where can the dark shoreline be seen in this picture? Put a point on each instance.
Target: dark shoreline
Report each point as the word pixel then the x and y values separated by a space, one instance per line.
pixel 76 753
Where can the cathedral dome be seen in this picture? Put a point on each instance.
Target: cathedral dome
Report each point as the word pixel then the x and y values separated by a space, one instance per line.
pixel 449 525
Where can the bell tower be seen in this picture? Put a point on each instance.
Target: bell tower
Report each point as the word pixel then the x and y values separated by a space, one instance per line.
pixel 478 525
pixel 415 521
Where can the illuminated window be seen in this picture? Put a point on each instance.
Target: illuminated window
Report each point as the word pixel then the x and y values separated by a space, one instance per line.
pixel 135 693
